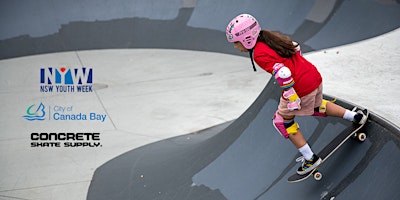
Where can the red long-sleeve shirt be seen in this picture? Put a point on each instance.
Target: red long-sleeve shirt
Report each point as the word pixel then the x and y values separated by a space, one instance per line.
pixel 305 75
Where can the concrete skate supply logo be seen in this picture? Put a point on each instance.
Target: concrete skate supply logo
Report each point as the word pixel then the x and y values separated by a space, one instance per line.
pixel 35 112
pixel 65 80
pixel 61 113
pixel 65 139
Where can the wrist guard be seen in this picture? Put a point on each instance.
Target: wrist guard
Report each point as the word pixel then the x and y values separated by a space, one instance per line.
pixel 293 99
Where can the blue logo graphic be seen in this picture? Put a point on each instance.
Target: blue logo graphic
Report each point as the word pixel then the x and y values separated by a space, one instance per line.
pixel 35 113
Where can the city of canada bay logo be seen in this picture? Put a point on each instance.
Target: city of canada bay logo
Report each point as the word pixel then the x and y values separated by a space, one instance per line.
pixel 61 113
pixel 35 112
pixel 64 79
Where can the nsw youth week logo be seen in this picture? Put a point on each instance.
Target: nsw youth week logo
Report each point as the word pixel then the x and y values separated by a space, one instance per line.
pixel 63 80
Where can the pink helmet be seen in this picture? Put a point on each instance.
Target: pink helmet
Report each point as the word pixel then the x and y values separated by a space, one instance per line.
pixel 245 29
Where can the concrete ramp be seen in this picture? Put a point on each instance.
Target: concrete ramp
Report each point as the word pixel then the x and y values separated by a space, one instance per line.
pixel 249 160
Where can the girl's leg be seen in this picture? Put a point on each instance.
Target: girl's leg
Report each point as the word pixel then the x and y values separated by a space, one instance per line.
pixel 298 139
pixel 335 110
pixel 330 108
pixel 301 144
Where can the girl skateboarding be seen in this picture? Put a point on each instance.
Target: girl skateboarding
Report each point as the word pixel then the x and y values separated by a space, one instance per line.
pixel 300 81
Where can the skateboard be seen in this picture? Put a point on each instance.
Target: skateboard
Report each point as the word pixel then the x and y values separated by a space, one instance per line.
pixel 352 131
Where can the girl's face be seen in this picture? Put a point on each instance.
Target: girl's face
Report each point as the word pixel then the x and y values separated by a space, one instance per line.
pixel 239 46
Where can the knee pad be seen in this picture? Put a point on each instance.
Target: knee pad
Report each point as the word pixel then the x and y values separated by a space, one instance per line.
pixel 321 110
pixel 284 128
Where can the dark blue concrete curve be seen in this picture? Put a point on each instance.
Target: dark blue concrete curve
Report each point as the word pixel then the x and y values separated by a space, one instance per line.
pixel 249 160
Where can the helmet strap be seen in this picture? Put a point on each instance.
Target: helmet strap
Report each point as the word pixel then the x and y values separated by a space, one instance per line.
pixel 251 58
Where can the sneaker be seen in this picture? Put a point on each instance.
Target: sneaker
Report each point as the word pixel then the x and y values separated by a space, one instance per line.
pixel 308 165
pixel 360 117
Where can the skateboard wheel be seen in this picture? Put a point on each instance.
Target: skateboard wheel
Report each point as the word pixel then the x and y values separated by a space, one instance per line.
pixel 361 137
pixel 317 176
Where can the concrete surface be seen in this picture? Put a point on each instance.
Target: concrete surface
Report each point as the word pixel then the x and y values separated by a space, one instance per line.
pixel 145 100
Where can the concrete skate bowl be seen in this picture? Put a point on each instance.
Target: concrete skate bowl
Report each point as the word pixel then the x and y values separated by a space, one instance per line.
pixel 243 159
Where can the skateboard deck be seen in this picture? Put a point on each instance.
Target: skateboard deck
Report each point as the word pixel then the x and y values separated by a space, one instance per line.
pixel 328 150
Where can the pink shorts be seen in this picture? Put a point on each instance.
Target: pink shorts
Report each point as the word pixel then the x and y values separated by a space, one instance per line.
pixel 308 103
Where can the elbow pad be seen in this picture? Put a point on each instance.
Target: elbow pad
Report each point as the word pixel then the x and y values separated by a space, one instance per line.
pixel 283 75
